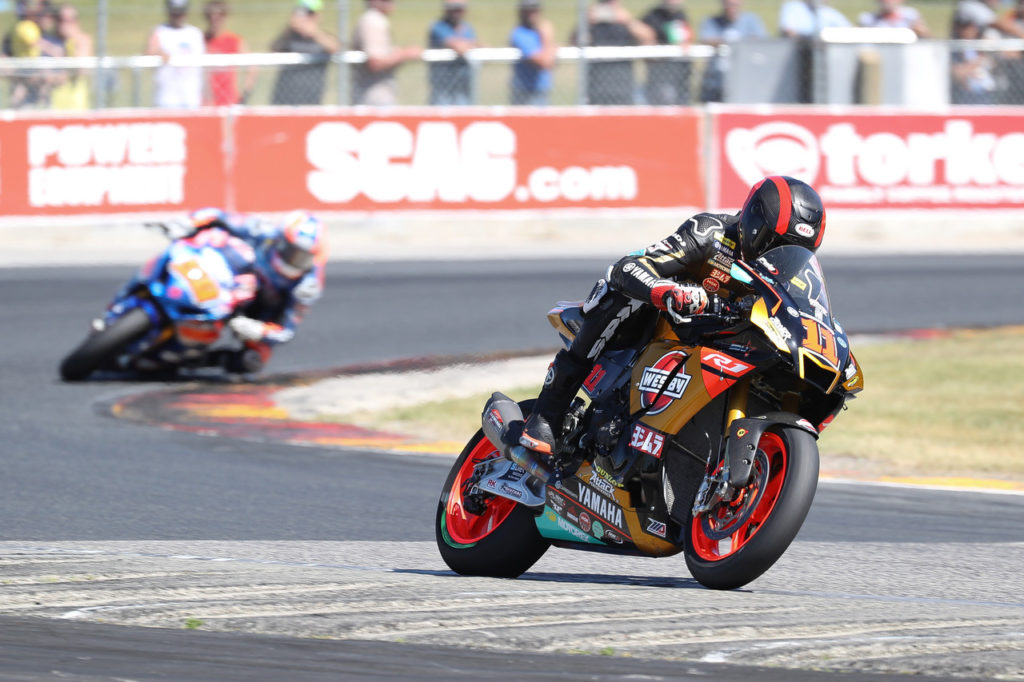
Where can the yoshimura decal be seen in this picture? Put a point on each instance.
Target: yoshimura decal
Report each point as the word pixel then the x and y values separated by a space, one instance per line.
pixel 647 440
pixel 653 380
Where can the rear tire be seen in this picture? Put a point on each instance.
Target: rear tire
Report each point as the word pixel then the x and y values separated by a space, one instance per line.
pixel 785 480
pixel 103 346
pixel 502 541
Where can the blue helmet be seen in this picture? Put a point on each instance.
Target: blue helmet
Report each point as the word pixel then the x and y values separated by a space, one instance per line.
pixel 299 244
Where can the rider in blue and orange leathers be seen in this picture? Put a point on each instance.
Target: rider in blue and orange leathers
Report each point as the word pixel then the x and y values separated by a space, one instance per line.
pixel 288 259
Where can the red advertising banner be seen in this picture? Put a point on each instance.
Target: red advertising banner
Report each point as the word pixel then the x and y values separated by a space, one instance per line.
pixel 469 160
pixel 874 158
pixel 110 163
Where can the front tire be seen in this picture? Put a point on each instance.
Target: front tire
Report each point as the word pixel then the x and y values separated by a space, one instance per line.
pixel 103 346
pixel 501 540
pixel 734 543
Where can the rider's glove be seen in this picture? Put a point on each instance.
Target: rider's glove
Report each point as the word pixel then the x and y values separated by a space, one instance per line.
pixel 248 329
pixel 683 300
pixel 175 229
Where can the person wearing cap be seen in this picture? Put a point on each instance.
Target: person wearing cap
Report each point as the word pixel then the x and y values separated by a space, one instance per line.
pixel 303 83
pixel 534 37
pixel 374 81
pixel 32 36
pixel 452 82
pixel 177 87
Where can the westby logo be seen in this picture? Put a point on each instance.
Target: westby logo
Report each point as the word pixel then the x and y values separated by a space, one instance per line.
pixel 439 161
pixel 655 395
pixel 776 148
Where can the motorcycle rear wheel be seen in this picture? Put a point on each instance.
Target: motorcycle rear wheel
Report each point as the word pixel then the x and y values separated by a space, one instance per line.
pixel 102 346
pixel 500 542
pixel 734 543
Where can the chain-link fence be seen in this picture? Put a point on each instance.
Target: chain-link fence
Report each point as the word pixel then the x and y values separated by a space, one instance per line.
pixel 265 52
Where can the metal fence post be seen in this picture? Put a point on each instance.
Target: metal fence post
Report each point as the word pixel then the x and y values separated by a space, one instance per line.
pixel 100 77
pixel 343 38
pixel 583 38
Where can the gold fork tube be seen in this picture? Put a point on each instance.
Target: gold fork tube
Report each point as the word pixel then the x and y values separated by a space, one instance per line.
pixel 738 401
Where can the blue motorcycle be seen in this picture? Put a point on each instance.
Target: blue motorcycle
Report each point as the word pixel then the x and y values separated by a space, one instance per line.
pixel 173 313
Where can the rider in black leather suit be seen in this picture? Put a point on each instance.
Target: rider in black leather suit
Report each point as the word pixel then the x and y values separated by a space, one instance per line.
pixel 676 274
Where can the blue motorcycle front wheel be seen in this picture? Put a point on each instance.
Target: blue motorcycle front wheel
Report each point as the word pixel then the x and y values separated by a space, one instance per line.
pixel 103 346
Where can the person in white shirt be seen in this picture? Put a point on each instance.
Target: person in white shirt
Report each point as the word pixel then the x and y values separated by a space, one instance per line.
pixel 806 18
pixel 177 87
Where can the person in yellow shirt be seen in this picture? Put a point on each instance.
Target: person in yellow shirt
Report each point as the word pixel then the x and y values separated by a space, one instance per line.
pixel 72 94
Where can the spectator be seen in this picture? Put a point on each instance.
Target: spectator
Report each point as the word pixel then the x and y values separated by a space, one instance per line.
pixel 731 26
pixel 972 71
pixel 374 81
pixel 806 18
pixel 27 39
pixel 534 37
pixel 177 87
pixel 1011 64
pixel 983 14
pixel 303 83
pixel 893 14
pixel 223 83
pixel 73 92
pixel 611 24
pixel 668 81
pixel 452 82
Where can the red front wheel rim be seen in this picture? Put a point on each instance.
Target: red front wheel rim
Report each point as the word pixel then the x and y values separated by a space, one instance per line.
pixel 763 493
pixel 464 527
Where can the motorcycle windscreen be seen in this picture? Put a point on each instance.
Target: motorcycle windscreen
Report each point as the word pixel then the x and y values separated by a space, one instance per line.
pixel 824 350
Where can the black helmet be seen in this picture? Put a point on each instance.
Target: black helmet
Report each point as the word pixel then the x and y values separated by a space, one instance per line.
pixel 780 210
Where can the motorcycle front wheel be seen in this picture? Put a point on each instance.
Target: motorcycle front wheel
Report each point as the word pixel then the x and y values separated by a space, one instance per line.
pixel 104 345
pixel 736 541
pixel 484 535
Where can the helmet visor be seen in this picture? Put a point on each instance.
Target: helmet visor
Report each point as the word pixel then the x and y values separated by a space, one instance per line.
pixel 291 260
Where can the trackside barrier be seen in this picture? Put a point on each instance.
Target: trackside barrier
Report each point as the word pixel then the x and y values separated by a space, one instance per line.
pixel 360 159
pixel 351 159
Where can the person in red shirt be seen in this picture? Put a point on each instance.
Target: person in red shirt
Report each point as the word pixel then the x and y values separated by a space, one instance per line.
pixel 223 83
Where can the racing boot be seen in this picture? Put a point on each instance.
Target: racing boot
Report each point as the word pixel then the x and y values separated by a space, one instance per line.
pixel 564 378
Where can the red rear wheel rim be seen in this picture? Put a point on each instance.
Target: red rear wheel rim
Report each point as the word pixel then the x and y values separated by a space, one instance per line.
pixel 466 528
pixel 769 476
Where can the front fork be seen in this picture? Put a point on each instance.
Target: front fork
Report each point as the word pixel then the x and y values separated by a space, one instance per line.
pixel 716 487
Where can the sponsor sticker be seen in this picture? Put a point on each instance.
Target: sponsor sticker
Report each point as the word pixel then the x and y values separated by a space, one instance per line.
pixel 601 484
pixel 725 364
pixel 711 285
pixel 804 230
pixel 721 276
pixel 654 379
pixel 655 527
pixel 647 440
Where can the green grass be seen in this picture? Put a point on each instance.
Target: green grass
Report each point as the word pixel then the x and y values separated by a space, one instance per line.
pixel 950 406
pixel 941 407
pixel 259 21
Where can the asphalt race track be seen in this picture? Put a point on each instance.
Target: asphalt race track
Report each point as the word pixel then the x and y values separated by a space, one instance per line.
pixel 106 521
